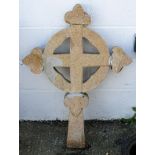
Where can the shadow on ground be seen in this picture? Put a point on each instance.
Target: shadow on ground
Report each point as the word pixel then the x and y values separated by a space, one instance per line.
pixel 102 137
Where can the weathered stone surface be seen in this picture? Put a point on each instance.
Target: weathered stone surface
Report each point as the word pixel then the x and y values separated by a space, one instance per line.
pixel 34 61
pixel 77 16
pixel 76 103
pixel 77 59
pixel 119 59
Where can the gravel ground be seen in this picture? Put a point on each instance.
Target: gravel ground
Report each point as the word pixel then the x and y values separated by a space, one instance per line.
pixel 102 138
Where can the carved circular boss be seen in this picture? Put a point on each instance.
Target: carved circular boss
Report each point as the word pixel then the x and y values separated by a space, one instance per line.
pixel 76 59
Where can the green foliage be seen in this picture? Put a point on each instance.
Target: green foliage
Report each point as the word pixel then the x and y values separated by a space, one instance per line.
pixel 131 120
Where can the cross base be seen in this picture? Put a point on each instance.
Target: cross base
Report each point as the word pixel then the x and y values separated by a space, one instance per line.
pixel 76 102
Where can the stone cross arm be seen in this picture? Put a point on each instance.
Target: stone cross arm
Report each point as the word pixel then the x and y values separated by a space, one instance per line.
pixel 118 60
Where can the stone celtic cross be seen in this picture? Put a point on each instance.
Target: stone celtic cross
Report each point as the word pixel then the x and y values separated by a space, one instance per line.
pixel 76 98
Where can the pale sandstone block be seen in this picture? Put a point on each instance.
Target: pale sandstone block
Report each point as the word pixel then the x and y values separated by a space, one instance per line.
pixel 119 59
pixel 34 61
pixel 76 103
pixel 77 16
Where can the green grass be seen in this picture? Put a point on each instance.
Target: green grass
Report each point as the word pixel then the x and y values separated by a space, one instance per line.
pixel 131 120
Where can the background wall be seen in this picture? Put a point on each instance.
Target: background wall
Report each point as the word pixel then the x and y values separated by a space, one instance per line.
pixel 114 20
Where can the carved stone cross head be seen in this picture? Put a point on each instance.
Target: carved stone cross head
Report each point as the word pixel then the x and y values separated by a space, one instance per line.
pixel 76 59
